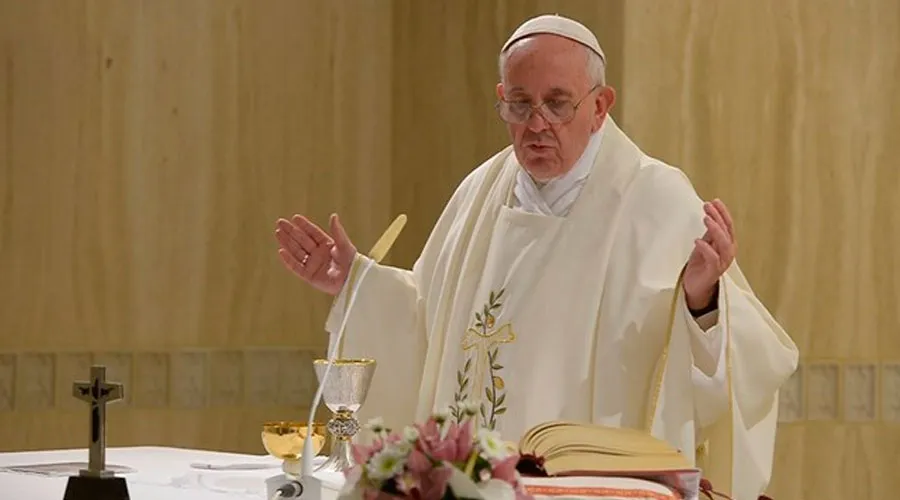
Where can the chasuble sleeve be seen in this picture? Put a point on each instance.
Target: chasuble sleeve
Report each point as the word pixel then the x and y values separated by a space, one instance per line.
pixel 384 324
pixel 674 211
pixel 388 319
pixel 740 363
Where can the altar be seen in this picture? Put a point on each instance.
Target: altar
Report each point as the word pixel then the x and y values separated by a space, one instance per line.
pixel 168 473
pixel 153 473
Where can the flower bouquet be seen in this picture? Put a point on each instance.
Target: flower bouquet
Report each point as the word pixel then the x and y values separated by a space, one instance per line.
pixel 444 458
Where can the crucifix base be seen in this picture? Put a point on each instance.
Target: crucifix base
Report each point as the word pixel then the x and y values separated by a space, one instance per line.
pixel 96 488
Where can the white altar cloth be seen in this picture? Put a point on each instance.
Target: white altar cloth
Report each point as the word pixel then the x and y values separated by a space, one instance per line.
pixel 182 474
pixel 159 473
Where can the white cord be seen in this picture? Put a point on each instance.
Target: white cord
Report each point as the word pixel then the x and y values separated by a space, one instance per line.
pixel 276 495
pixel 307 464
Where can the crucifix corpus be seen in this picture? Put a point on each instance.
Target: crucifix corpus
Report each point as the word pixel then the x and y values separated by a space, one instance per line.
pixel 95 482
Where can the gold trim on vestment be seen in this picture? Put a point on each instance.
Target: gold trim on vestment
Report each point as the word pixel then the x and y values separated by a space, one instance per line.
pixel 660 370
pixel 703 449
pixel 346 362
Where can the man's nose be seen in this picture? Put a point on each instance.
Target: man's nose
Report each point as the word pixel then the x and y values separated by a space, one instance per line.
pixel 536 122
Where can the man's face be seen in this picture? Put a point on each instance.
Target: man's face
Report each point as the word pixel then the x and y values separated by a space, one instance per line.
pixel 551 70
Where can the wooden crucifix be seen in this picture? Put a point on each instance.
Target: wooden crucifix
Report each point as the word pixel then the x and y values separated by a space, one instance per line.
pixel 96 482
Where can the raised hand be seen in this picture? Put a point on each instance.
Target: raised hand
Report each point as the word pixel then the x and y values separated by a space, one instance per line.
pixel 711 257
pixel 323 260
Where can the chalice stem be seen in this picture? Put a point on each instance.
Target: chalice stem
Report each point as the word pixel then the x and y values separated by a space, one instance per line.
pixel 340 459
pixel 342 427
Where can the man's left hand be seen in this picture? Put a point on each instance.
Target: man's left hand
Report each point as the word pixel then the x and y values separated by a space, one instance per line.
pixel 712 256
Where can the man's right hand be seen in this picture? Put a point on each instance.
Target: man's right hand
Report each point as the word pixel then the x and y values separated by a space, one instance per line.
pixel 320 259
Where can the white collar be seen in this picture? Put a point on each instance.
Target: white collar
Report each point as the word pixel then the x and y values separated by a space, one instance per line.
pixel 557 196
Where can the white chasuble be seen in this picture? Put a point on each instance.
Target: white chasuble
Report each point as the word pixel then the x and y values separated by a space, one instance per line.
pixel 541 317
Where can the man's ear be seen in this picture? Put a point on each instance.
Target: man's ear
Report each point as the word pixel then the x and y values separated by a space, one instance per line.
pixel 500 91
pixel 606 99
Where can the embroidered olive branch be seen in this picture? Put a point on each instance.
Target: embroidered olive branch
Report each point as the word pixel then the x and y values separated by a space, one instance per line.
pixel 462 383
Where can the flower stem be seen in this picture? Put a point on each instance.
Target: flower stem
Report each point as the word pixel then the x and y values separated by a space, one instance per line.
pixel 470 464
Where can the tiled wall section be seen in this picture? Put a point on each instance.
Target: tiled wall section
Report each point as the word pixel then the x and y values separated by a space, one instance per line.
pixel 842 391
pixel 846 391
pixel 183 379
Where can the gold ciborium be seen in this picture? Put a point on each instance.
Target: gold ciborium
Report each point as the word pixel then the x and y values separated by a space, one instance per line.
pixel 344 393
pixel 285 440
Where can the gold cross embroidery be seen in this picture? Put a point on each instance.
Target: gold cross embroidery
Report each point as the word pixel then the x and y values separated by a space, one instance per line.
pixel 481 341
pixel 483 344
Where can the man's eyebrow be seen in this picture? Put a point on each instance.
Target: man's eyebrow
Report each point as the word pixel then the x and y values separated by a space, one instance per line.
pixel 558 91
pixel 554 91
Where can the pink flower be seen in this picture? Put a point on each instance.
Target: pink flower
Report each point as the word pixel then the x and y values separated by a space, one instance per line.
pixel 464 440
pixel 418 462
pixel 434 484
pixel 353 474
pixel 408 483
pixel 371 494
pixel 432 444
pixel 362 453
pixel 505 470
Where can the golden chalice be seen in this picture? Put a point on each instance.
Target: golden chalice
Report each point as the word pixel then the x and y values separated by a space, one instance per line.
pixel 285 440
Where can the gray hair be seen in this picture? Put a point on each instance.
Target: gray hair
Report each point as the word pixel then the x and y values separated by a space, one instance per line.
pixel 596 68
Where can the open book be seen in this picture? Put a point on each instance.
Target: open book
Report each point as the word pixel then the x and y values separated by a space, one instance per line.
pixel 560 448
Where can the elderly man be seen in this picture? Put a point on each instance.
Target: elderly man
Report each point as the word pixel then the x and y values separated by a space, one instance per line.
pixel 570 276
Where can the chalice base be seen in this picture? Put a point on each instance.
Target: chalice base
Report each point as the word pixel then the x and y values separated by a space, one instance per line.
pixel 340 458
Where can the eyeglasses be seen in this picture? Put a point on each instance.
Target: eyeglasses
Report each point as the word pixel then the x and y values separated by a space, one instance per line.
pixel 554 111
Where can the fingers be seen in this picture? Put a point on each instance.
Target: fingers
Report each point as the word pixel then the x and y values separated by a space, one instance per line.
pixel 342 242
pixel 290 245
pixel 291 262
pixel 299 250
pixel 718 211
pixel 317 262
pixel 294 238
pixel 713 213
pixel 707 252
pixel 718 238
pixel 315 233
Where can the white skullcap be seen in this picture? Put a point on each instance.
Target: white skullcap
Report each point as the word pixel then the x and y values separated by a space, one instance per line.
pixel 554 24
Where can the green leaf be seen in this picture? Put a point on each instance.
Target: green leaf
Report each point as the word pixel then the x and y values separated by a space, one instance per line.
pixel 495 353
pixel 501 399
pixel 489 395
pixel 465 384
pixel 468 365
pixel 491 297
pixel 496 366
pixel 478 316
pixel 483 412
pixel 500 411
pixel 459 377
pixel 500 294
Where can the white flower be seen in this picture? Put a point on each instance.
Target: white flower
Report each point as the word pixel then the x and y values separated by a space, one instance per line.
pixel 387 463
pixel 376 425
pixel 410 434
pixel 490 444
pixel 442 415
pixel 468 408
